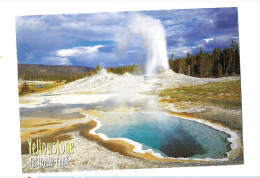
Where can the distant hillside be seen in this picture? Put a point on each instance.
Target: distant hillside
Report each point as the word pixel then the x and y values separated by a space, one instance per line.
pixel 51 72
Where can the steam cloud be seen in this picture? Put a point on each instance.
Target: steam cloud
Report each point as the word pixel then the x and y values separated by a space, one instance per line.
pixel 153 39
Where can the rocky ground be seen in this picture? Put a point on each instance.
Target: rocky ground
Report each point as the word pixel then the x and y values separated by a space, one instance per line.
pixel 109 92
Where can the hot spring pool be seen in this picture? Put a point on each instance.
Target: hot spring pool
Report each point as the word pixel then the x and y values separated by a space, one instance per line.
pixel 168 135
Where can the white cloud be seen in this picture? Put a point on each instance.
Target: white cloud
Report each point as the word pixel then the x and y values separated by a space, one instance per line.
pixel 179 51
pixel 57 60
pixel 74 25
pixel 186 51
pixel 208 39
pixel 30 23
pixel 88 51
pixel 210 21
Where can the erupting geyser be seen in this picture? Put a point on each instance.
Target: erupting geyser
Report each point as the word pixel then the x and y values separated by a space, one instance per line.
pixel 153 38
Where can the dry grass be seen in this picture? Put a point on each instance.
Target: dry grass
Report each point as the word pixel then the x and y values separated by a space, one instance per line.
pixel 221 94
pixel 36 89
pixel 221 100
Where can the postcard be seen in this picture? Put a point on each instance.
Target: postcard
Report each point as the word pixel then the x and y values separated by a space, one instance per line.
pixel 129 90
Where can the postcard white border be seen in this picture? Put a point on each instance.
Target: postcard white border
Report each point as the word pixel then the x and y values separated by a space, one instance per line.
pixel 249 13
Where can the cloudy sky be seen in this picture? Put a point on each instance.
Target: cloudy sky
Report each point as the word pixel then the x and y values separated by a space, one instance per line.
pixel 89 39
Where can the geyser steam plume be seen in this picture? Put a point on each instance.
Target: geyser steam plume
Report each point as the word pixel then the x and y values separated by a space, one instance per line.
pixel 153 39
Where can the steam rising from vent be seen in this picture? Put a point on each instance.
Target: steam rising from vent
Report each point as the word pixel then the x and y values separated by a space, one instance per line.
pixel 153 39
pixel 103 71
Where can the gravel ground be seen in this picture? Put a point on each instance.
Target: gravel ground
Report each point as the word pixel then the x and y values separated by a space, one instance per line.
pixel 90 156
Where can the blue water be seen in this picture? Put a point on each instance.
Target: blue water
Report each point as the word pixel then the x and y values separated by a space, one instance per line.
pixel 168 135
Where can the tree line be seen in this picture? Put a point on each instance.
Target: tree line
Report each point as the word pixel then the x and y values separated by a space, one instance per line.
pixel 57 78
pixel 219 63
pixel 51 73
pixel 123 69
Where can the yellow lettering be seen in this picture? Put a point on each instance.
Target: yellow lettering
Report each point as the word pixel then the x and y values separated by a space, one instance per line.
pixel 30 145
pixel 71 146
pixel 33 148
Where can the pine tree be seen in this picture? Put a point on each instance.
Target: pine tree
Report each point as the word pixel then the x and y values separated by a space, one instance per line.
pixel 171 63
pixel 25 88
pixel 98 68
pixel 188 63
pixel 219 71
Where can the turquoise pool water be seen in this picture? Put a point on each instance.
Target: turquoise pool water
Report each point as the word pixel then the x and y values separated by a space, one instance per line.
pixel 168 135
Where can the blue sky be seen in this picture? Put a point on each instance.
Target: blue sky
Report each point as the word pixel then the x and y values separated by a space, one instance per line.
pixel 89 39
